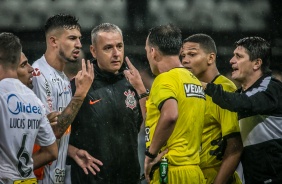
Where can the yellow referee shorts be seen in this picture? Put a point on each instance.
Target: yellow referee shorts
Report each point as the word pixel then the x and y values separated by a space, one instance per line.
pixel 210 174
pixel 191 174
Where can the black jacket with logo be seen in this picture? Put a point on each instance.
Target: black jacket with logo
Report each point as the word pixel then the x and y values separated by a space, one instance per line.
pixel 107 126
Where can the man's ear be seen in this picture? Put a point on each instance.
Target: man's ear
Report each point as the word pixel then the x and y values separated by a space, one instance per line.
pixel 211 58
pixel 52 40
pixel 257 64
pixel 93 51
pixel 155 53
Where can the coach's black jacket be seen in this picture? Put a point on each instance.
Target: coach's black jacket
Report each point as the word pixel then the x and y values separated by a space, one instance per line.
pixel 107 126
pixel 260 116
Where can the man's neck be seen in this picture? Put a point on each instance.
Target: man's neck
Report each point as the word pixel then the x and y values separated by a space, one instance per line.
pixel 250 80
pixel 8 73
pixel 209 75
pixel 54 61
pixel 169 62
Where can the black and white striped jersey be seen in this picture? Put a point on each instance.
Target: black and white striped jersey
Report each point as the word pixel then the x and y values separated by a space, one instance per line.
pixel 260 116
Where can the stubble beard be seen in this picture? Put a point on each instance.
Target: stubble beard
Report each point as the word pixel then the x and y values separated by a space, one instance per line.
pixel 63 55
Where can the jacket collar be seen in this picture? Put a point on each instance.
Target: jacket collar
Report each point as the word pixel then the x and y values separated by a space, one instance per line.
pixel 107 76
pixel 257 83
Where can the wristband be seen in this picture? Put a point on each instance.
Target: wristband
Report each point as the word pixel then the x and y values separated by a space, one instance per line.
pixel 142 95
pixel 150 155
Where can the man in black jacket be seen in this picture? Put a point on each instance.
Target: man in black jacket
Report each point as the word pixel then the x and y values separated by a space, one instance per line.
pixel 259 106
pixel 109 120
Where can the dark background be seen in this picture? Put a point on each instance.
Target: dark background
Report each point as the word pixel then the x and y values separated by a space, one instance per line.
pixel 225 20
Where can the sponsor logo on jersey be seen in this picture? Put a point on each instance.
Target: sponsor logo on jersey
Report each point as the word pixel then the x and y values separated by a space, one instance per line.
pixel 92 102
pixel 36 72
pixel 59 175
pixel 64 92
pixel 54 80
pixel 130 101
pixel 193 90
pixel 147 134
pixel 15 106
pixel 60 109
pixel 47 88
pixel 49 102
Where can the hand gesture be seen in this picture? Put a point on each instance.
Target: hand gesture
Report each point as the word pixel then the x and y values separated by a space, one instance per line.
pixel 134 77
pixel 149 163
pixel 84 79
pixel 53 117
pixel 204 85
pixel 87 162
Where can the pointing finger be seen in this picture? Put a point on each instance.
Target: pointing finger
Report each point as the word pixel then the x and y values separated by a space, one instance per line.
pixel 90 68
pixel 130 65
pixel 83 66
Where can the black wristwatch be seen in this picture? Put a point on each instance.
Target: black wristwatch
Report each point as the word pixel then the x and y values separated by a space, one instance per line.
pixel 150 155
pixel 142 95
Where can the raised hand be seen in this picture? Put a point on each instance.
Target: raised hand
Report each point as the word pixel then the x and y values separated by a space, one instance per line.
pixel 134 77
pixel 53 117
pixel 84 79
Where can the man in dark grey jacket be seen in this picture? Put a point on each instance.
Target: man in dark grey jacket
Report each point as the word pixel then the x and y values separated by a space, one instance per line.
pixel 259 106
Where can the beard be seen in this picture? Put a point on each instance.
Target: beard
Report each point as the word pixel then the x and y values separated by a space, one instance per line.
pixel 63 55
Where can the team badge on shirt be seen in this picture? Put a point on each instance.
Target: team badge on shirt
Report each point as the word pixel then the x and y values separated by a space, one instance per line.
pixel 130 101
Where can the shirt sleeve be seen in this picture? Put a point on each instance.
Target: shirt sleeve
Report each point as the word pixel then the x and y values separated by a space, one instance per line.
pixel 261 101
pixel 45 136
pixel 165 85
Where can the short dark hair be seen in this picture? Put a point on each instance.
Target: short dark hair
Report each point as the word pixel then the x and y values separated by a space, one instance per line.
pixel 167 38
pixel 10 50
pixel 64 21
pixel 104 27
pixel 204 40
pixel 257 47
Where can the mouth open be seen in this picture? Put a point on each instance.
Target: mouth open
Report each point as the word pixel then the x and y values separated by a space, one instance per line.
pixel 234 70
pixel 76 53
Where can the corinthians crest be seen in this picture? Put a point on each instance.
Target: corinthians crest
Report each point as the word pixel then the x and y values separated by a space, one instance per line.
pixel 130 101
